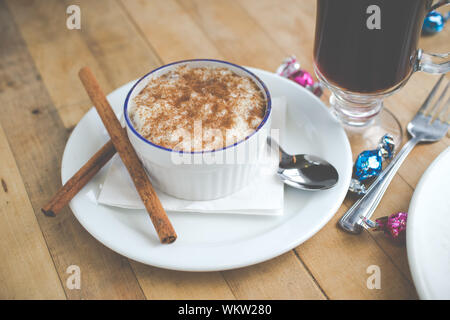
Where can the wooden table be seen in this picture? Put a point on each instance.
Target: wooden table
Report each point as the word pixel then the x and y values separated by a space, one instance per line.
pixel 42 100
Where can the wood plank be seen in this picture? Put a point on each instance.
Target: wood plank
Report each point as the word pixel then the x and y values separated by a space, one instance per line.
pixel 122 55
pixel 284 277
pixel 168 284
pixel 288 23
pixel 234 33
pixel 27 270
pixel 38 149
pixel 339 263
pixel 58 53
pixel 173 34
pixel 120 51
pixel 179 30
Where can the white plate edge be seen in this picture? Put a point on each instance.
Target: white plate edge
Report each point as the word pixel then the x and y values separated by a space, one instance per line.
pixel 346 176
pixel 419 282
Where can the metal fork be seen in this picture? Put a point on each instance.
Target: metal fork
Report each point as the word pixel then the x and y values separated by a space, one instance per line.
pixel 426 126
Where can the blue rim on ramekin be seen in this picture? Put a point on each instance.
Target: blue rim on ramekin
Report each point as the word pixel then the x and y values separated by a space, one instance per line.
pixel 266 116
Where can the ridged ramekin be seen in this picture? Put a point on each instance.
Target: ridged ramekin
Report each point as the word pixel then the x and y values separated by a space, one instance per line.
pixel 201 175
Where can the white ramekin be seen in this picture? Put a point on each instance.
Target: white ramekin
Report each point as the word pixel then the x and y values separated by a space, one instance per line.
pixel 201 175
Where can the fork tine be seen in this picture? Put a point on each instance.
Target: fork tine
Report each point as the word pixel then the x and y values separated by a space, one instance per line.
pixel 439 100
pixel 431 95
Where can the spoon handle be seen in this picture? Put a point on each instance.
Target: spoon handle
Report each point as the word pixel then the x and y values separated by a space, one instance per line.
pixel 283 155
pixel 352 220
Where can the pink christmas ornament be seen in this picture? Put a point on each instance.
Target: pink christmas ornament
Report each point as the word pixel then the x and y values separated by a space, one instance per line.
pixel 290 68
pixel 393 226
pixel 303 78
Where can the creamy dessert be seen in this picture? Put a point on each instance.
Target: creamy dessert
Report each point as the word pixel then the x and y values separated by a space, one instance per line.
pixel 197 109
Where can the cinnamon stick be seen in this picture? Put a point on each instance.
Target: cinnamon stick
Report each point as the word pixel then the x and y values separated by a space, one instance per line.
pixel 129 157
pixel 79 180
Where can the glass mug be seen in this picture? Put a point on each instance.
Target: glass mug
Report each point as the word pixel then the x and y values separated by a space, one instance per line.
pixel 364 51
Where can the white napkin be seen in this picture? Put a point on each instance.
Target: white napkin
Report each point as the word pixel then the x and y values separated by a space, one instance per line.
pixel 263 196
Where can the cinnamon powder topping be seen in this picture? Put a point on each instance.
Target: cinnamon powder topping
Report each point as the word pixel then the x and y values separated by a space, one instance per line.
pixel 195 109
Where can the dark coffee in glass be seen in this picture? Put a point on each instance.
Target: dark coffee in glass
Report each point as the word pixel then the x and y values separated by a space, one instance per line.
pixel 367 46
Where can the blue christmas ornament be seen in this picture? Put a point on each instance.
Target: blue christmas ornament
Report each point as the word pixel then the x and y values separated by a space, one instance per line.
pixel 368 164
pixel 387 146
pixel 433 23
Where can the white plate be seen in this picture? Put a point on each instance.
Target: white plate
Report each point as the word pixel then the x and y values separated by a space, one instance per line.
pixel 428 231
pixel 208 242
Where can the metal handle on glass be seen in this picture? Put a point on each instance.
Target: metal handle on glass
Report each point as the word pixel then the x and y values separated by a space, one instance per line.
pixel 352 221
pixel 434 62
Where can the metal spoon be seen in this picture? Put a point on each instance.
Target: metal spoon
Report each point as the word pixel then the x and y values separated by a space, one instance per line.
pixel 303 171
